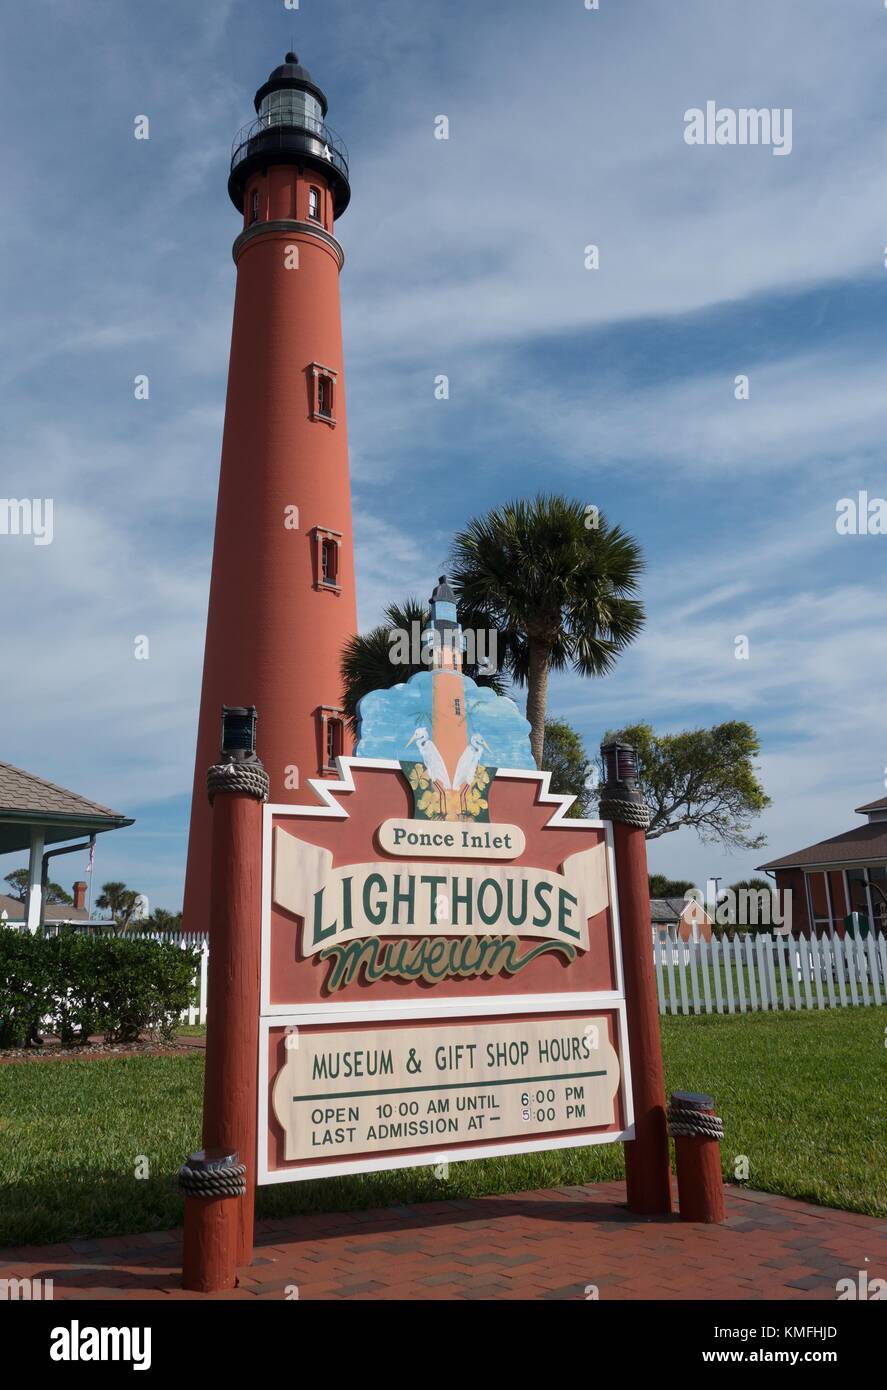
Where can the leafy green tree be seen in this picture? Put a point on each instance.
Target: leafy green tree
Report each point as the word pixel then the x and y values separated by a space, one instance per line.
pixel 704 779
pixel 373 660
pixel 54 894
pixel 662 887
pixel 563 755
pixel 120 901
pixel 558 583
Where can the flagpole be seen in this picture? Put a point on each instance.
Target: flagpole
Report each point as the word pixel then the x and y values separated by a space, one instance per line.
pixel 89 869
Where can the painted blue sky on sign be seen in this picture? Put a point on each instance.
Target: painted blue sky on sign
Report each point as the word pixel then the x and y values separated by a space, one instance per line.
pixel 389 718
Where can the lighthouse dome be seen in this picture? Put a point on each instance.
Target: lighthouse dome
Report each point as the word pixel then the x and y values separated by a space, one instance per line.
pixel 291 87
pixel 290 129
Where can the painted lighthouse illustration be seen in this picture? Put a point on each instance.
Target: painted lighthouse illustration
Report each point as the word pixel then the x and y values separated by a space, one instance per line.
pixel 462 732
pixel 451 757
pixel 282 600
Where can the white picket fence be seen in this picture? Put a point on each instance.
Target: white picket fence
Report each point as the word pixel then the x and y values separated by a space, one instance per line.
pixel 761 972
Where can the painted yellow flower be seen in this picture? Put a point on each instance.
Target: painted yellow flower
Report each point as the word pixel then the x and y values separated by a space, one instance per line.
pixel 474 803
pixel 427 803
pixel 481 778
pixel 418 777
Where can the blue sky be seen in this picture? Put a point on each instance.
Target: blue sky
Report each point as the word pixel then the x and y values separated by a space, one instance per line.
pixel 463 257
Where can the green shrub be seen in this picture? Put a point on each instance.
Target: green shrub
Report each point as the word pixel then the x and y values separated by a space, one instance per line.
pixel 145 985
pixel 75 985
pixel 26 987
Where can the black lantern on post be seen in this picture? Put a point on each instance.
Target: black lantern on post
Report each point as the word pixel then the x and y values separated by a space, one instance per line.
pixel 620 765
pixel 621 795
pixel 238 734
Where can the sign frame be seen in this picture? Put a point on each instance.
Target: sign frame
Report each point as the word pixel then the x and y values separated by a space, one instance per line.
pixel 380 1012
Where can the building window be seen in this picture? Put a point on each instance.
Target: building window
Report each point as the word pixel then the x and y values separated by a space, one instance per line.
pixel 254 206
pixel 333 741
pixel 820 902
pixel 867 895
pixel 329 561
pixel 327 545
pixel 457 704
pixel 323 393
pixel 332 737
pixel 314 203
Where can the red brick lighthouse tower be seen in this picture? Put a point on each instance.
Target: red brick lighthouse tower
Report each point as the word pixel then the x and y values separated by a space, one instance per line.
pixel 282 600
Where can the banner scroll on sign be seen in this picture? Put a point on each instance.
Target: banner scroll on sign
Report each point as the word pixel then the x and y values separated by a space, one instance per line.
pixel 417 899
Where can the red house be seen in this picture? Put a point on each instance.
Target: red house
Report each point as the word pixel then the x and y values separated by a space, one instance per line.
pixel 845 874
pixel 680 919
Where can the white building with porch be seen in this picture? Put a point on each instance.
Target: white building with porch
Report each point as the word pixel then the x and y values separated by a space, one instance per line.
pixel 36 814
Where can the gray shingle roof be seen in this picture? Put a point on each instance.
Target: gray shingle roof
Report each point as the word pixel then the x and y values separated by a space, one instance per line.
pixel 880 805
pixel 22 791
pixel 666 909
pixel 15 911
pixel 861 845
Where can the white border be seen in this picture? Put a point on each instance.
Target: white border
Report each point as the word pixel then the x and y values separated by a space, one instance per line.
pixel 385 1011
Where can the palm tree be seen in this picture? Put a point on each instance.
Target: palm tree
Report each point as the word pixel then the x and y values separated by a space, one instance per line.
pixel 370 660
pixel 119 900
pixel 164 921
pixel 559 585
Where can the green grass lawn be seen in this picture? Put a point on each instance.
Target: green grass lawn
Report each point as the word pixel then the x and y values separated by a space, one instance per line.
pixel 801 1095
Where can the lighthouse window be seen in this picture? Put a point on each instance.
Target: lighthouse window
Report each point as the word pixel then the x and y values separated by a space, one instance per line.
pixel 326 558
pixel 314 203
pixel 329 560
pixel 331 730
pixel 323 393
pixel 333 741
pixel 254 206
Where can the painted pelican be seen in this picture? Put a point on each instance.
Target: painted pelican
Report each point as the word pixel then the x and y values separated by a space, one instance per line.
pixel 434 763
pixel 467 764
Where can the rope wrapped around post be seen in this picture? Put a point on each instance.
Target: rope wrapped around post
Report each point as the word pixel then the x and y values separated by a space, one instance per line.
pixel 243 777
pixel 688 1124
pixel 632 812
pixel 202 1176
pixel 697 1132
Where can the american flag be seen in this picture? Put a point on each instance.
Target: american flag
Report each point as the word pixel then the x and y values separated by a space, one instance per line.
pixel 91 859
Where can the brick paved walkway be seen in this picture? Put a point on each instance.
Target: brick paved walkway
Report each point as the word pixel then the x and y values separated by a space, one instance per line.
pixel 550 1244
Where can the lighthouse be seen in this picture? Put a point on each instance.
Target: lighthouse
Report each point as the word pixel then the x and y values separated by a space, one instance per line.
pixel 444 636
pixel 282 600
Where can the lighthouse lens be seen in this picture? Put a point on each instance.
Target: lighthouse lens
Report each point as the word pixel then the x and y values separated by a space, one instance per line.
pixel 291 106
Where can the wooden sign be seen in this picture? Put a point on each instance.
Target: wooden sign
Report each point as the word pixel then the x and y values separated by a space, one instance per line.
pixel 440 989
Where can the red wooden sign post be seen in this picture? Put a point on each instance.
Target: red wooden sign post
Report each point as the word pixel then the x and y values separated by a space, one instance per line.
pixel 647 1166
pixel 220 1186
